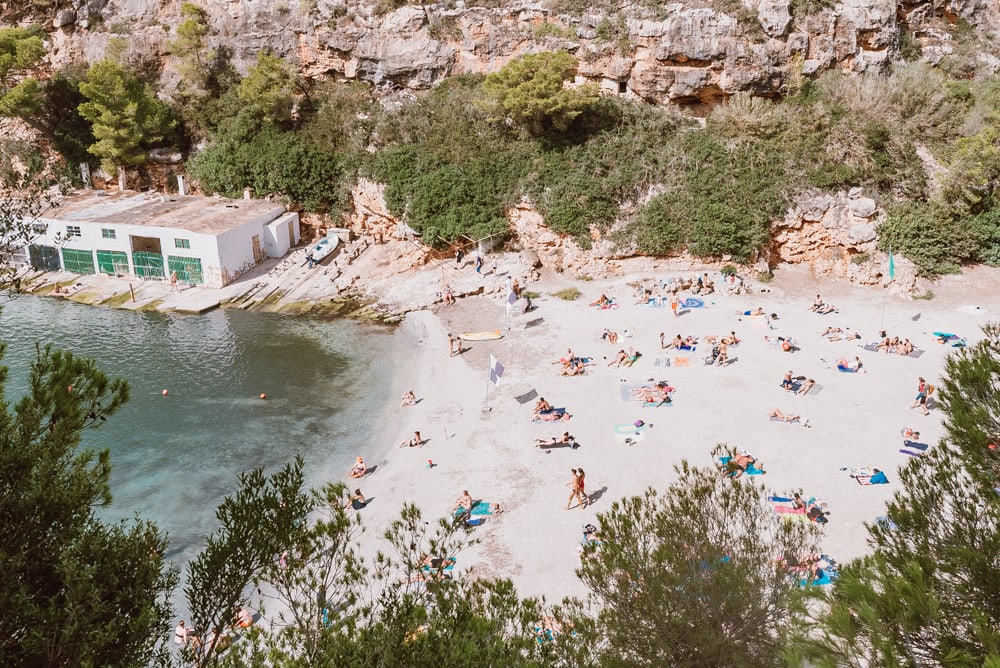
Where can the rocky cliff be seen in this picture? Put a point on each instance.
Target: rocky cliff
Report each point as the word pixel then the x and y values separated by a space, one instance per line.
pixel 692 52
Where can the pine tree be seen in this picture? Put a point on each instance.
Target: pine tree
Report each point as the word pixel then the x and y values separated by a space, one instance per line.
pixel 690 576
pixel 74 590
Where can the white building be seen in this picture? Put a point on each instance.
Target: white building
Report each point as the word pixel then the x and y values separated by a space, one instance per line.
pixel 206 240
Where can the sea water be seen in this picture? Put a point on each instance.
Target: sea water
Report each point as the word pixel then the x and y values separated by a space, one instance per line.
pixel 175 457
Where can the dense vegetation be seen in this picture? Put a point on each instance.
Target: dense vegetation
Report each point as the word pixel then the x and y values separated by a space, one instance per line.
pixel 457 158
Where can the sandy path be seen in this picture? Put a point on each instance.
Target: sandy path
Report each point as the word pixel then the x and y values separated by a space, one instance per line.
pixel 856 418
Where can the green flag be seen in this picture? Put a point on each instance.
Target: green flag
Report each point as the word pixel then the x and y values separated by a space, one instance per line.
pixel 892 266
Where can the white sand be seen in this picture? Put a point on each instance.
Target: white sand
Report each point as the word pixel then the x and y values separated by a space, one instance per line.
pixel 856 418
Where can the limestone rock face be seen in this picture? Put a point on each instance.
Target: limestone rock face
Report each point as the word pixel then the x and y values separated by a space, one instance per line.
pixel 683 53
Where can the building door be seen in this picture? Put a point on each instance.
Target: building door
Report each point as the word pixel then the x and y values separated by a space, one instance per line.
pixel 112 263
pixel 257 255
pixel 147 257
pixel 188 269
pixel 44 258
pixel 78 261
pixel 291 233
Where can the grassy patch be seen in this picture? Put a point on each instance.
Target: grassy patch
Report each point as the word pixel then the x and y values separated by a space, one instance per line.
pixel 530 294
pixel 568 294
pixel 929 295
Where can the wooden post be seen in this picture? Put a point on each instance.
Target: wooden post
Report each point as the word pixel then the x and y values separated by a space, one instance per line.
pixel 131 291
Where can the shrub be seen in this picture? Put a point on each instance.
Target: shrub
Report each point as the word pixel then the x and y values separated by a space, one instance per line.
pixel 270 161
pixel 986 226
pixel 568 294
pixel 929 236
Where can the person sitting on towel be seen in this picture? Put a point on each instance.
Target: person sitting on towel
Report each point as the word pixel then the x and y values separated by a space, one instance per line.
pixel 542 406
pixel 904 348
pixel 464 501
pixel 602 301
pixel 787 382
pixel 742 461
pixel 575 368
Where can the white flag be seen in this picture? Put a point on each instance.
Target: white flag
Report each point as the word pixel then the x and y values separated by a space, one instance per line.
pixel 496 371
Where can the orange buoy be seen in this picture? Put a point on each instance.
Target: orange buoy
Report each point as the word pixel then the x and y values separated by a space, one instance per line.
pixel 166 392
pixel 263 396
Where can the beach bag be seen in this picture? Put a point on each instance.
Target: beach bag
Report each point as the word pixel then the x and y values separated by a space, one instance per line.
pixel 930 389
pixel 639 423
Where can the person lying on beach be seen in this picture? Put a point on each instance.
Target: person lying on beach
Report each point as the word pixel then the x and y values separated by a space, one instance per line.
pixel 359 469
pixel 575 368
pixel 617 361
pixel 675 343
pixel 464 501
pixel 741 462
pixel 631 358
pixel 731 339
pixel 849 365
pixel 869 476
pixel 542 406
pixel 753 312
pixel 805 387
pixel 564 439
pixel 567 359
pixel 414 442
pixel 647 295
pixel 658 394
pixel 602 301
pixel 610 336
pixel 787 417
pixel 409 398
pixel 909 434
pixel 831 330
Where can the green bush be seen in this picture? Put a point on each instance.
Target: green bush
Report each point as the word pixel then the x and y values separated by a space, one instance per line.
pixel 270 161
pixel 568 294
pixel 987 229
pixel 929 236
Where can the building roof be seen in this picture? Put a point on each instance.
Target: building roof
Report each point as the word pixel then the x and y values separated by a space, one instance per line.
pixel 202 215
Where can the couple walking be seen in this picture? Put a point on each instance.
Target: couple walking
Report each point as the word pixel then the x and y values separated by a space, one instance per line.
pixel 577 488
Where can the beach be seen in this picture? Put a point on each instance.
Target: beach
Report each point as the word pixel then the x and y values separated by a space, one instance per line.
pixel 481 438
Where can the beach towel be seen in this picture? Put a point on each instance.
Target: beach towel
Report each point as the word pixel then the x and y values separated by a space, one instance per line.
pixel 775 418
pixel 680 361
pixel 555 415
pixel 449 564
pixel 657 404
pixel 608 307
pixel 654 303
pixel 632 437
pixel 875 479
pixel 780 499
pixel 627 388
pixel 750 470
pixel 912 453
pixel 631 428
pixel 688 348
pixel 662 361
pixel 482 508
pixel 692 302
pixel 788 510
pixel 871 347
pixel 914 445
pixel 526 397
pixel 846 369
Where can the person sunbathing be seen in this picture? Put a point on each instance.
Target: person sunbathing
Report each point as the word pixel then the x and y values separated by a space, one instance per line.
pixel 805 387
pixel 464 501
pixel 675 343
pixel 409 398
pixel 845 364
pixel 827 308
pixel 788 382
pixel 904 348
pixel 909 434
pixel 631 358
pixel 757 311
pixel 564 439
pixel 414 442
pixel 742 461
pixel 602 301
pixel 647 295
pixel 831 330
pixel 575 368
pixel 610 336
pixel 786 417
pixel 542 406
pixel 619 359
pixel 359 469
pixel 731 340
pixel 567 359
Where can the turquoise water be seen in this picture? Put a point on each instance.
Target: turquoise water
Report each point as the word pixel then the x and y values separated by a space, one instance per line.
pixel 174 458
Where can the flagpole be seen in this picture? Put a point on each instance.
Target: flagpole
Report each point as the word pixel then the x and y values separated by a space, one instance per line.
pixel 885 294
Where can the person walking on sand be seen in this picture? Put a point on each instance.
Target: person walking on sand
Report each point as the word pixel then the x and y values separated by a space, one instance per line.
pixel 479 264
pixel 574 488
pixel 923 389
pixel 674 303
pixel 173 281
pixel 581 488
pixel 459 254
pixel 452 340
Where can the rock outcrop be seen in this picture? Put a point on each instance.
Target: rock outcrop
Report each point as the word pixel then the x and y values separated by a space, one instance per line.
pixel 684 53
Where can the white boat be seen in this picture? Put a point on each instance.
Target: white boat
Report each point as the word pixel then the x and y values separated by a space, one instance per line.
pixel 321 250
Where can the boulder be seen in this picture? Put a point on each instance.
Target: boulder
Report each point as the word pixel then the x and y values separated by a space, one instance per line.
pixel 863 207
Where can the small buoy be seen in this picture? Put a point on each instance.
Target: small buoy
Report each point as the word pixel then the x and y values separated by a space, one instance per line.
pixel 166 392
pixel 263 396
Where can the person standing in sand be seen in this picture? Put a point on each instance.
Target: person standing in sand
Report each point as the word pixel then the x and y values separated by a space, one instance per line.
pixel 173 281
pixel 451 345
pixel 576 489
pixel 674 303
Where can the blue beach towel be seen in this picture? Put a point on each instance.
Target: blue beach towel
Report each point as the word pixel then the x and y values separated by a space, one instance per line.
pixel 912 453
pixel 481 508
pixel 780 499
pixel 913 445
pixel 845 369
pixel 692 302
pixel 630 428
pixel 657 404
pixel 750 470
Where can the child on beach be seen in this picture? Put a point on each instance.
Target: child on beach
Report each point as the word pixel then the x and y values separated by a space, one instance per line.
pixel 409 398
pixel 414 442
pixel 359 469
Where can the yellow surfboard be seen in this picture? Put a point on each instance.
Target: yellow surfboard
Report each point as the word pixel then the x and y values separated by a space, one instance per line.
pixel 481 336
